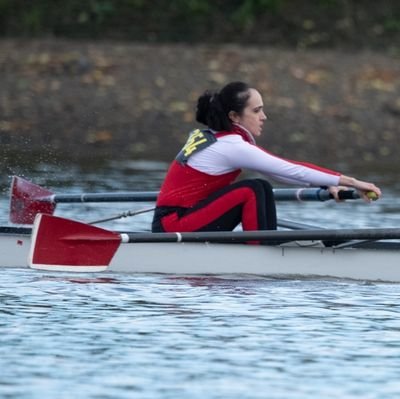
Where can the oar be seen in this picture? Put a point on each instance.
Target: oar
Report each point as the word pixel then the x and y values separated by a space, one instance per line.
pixel 27 199
pixel 67 245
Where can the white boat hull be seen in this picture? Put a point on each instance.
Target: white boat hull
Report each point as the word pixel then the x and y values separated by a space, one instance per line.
pixel 14 248
pixel 204 258
pixel 195 258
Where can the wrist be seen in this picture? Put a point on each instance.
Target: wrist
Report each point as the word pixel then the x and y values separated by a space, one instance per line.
pixel 347 181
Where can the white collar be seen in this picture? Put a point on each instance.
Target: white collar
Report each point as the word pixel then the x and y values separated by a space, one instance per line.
pixel 250 136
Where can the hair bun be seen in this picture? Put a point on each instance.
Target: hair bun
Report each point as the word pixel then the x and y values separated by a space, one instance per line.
pixel 213 107
pixel 203 107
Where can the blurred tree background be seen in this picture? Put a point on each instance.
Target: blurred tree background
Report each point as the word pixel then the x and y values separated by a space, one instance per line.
pixel 292 23
pixel 120 78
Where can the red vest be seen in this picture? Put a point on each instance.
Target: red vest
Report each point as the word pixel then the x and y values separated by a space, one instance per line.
pixel 184 186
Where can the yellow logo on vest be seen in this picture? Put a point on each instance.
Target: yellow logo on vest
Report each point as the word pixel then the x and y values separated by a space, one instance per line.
pixel 198 140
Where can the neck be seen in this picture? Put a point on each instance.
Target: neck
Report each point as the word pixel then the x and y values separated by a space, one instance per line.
pixel 245 131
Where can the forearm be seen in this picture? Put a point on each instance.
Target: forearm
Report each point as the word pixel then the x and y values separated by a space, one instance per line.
pixel 251 157
pixel 355 183
pixel 347 181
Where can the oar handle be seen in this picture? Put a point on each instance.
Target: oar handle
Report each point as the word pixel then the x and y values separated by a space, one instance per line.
pixel 347 195
pixel 312 194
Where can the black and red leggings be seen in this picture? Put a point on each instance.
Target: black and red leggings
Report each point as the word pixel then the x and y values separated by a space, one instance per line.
pixel 250 202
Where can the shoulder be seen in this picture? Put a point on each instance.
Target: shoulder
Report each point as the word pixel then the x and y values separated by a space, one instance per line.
pixel 240 133
pixel 231 138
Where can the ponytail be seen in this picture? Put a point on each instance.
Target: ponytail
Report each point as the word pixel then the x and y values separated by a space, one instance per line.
pixel 213 108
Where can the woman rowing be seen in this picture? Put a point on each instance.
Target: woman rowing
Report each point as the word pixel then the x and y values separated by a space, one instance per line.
pixel 200 191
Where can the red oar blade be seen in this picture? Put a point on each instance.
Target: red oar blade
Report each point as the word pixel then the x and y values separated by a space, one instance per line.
pixel 27 200
pixel 68 245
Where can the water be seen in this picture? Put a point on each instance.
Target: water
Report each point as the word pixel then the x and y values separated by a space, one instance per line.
pixel 152 336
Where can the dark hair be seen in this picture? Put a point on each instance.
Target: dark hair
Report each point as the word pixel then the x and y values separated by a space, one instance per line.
pixel 213 108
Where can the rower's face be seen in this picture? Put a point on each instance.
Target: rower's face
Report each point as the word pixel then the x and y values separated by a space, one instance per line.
pixel 253 116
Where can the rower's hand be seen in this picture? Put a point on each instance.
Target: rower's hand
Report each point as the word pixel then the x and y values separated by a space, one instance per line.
pixel 334 190
pixel 369 196
pixel 367 191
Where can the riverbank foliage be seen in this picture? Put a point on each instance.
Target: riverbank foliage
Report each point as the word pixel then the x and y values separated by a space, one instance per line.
pixel 289 23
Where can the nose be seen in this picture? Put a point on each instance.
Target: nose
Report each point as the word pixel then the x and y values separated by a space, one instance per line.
pixel 263 116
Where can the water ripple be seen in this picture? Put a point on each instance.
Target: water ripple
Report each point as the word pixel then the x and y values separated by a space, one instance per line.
pixel 154 336
pixel 111 335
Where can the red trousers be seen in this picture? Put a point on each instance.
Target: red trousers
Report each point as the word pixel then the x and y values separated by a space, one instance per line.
pixel 250 202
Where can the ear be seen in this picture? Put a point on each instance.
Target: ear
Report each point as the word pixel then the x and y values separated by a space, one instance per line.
pixel 233 116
